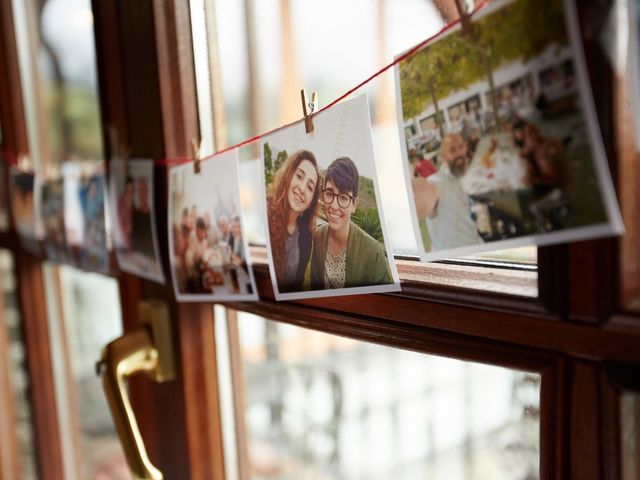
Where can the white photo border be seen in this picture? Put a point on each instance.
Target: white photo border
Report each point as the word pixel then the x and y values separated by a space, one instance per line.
pixel 360 101
pixel 232 158
pixel 614 226
pixel 113 202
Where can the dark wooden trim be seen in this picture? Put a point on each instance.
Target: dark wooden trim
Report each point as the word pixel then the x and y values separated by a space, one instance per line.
pixel 610 420
pixel 10 458
pixel 12 117
pixel 153 107
pixel 201 391
pixel 524 328
pixel 629 194
pixel 553 279
pixel 585 427
pixel 36 335
pixel 30 289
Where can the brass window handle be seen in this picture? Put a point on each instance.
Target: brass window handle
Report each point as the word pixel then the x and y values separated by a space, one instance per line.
pixel 146 349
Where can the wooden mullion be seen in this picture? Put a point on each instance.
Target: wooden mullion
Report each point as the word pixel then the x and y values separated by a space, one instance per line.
pixel 585 453
pixel 12 115
pixel 180 420
pixel 30 290
pixel 40 367
pixel 10 460
pixel 554 420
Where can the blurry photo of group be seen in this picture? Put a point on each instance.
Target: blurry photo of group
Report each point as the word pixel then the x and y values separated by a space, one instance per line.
pixel 508 156
pixel 326 233
pixel 4 196
pixel 23 207
pixel 54 235
pixel 131 200
pixel 93 251
pixel 209 252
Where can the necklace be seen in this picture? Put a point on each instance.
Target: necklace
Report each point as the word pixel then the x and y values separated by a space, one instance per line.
pixel 335 249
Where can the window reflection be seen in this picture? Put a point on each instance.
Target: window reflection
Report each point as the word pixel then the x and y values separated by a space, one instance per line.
pixel 291 44
pixel 91 320
pixel 58 70
pixel 630 435
pixel 322 406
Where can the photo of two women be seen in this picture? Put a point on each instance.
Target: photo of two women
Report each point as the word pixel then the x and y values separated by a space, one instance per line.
pixel 325 228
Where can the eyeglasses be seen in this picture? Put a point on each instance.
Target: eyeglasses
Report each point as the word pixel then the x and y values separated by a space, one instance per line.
pixel 344 199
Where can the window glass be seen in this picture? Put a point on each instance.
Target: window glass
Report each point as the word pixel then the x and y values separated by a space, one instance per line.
pixel 90 318
pixel 58 71
pixel 19 376
pixel 284 46
pixel 321 406
pixel 56 54
pixel 630 435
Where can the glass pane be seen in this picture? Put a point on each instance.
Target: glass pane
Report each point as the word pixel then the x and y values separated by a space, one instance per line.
pixel 58 70
pixel 284 53
pixel 322 406
pixel 18 369
pixel 90 318
pixel 630 435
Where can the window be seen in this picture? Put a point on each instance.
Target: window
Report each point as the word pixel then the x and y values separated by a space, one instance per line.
pixel 546 347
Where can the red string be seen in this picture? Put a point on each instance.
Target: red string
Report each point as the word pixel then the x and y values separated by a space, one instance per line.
pixel 408 53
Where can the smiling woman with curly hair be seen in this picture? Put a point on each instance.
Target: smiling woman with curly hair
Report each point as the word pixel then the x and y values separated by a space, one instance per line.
pixel 292 203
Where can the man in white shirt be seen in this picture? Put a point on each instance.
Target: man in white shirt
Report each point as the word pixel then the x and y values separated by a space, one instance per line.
pixel 441 200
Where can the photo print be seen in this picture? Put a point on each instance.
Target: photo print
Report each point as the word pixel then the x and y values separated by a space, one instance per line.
pixel 94 254
pixel 4 196
pixel 501 144
pixel 53 230
pixel 208 248
pixel 326 234
pixel 131 201
pixel 23 207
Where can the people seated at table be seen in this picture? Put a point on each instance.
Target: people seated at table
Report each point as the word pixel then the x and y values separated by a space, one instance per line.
pixel 441 201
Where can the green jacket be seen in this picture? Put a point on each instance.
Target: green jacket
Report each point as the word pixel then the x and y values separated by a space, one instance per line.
pixel 366 262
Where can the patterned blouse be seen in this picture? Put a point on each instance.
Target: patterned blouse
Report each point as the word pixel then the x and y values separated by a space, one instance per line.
pixel 335 267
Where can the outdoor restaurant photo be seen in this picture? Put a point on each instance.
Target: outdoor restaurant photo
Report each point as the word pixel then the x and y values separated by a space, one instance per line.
pixel 208 248
pixel 496 130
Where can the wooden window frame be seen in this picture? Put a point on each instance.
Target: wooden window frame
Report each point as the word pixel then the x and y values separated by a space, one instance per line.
pixel 581 329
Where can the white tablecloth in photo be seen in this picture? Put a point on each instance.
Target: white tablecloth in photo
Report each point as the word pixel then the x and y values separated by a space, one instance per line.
pixel 503 169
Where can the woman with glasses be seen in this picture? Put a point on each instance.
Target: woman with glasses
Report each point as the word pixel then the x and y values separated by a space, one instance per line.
pixel 292 203
pixel 344 255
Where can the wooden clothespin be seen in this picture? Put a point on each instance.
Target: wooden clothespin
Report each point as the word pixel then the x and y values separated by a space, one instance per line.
pixel 465 17
pixel 308 109
pixel 195 148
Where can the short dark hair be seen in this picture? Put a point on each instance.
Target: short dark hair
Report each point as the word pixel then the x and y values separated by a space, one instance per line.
pixel 129 180
pixel 200 225
pixel 343 173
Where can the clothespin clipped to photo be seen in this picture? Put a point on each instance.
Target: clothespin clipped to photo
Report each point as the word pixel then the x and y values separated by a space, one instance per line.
pixel 308 109
pixel 463 10
pixel 195 148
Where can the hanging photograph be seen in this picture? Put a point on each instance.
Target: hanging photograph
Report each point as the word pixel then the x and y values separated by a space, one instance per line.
pixel 208 248
pixel 131 202
pixel 73 217
pixel 500 139
pixel 4 196
pixel 94 255
pixel 54 237
pixel 23 205
pixel 326 232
